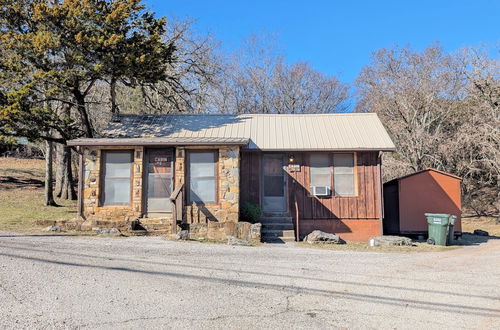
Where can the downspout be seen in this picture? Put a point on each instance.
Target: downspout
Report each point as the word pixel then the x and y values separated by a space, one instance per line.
pixel 380 192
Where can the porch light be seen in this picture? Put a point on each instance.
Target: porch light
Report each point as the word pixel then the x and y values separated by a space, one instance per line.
pixel 291 158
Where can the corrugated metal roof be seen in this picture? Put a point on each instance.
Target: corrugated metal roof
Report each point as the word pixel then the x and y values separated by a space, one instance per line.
pixel 352 131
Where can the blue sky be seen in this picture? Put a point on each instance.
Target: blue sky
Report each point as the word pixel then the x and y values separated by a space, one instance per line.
pixel 337 37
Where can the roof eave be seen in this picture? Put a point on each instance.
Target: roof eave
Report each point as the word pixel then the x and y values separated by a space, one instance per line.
pixel 119 142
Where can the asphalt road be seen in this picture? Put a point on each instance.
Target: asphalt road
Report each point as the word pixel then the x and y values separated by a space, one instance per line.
pixel 148 282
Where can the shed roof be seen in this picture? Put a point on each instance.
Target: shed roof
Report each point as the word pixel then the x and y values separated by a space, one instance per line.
pixel 267 132
pixel 430 169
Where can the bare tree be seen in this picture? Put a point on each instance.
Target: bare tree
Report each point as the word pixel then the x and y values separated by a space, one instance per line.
pixel 442 112
pixel 257 79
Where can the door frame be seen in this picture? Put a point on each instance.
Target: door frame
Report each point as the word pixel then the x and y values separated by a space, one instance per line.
pixel 285 185
pixel 145 170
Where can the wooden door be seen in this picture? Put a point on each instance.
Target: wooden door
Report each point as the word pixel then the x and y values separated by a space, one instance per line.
pixel 159 181
pixel 273 183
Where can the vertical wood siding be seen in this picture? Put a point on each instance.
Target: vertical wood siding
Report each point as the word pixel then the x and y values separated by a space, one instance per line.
pixel 250 177
pixel 365 205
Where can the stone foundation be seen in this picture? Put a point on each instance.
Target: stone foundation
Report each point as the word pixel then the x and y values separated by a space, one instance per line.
pixel 219 231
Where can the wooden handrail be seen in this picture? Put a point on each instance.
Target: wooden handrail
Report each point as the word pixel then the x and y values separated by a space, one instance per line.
pixel 178 206
pixel 176 192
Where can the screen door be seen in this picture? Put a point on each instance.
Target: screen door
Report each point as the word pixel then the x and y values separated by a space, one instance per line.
pixel 273 183
pixel 159 181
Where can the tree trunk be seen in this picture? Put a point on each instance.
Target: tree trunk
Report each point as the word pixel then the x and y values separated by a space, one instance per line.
pixel 49 195
pixel 60 169
pixel 82 109
pixel 112 97
pixel 65 185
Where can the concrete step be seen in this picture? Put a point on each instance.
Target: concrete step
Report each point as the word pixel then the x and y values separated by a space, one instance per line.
pixel 155 226
pixel 264 220
pixel 137 233
pixel 278 233
pixel 277 225
pixel 278 240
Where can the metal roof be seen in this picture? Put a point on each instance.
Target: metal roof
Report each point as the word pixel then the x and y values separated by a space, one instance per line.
pixel 137 141
pixel 267 132
pixel 429 169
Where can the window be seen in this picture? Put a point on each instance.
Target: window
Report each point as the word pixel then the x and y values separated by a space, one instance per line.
pixel 202 177
pixel 319 165
pixel 343 174
pixel 116 177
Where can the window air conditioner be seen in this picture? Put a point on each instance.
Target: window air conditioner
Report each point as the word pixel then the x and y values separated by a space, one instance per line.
pixel 320 190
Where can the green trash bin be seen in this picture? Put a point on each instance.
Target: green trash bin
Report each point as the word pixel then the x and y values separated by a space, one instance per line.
pixel 451 229
pixel 438 228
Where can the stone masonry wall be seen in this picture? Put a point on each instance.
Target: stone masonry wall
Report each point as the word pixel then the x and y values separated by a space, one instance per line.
pixel 92 210
pixel 224 211
pixel 227 208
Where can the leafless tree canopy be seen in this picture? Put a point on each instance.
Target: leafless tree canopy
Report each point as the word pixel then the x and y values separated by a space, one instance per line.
pixel 442 111
pixel 257 79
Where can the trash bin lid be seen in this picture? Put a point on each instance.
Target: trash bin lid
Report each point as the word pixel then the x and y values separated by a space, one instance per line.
pixel 437 218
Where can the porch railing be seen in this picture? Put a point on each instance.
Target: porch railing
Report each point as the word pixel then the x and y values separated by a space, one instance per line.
pixel 177 199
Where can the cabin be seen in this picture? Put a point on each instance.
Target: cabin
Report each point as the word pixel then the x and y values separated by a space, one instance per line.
pixel 196 172
pixel 408 198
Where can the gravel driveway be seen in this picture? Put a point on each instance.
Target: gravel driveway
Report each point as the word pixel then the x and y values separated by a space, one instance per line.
pixel 148 282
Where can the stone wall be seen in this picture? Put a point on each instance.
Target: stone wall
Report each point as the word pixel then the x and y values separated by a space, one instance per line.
pixel 219 231
pixel 102 215
pixel 226 210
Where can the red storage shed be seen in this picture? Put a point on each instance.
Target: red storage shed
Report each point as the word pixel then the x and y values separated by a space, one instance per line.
pixel 408 198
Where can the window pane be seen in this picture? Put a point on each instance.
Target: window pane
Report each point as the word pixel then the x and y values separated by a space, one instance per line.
pixel 274 186
pixel 202 164
pixel 343 169
pixel 273 165
pixel 202 190
pixel 117 191
pixel 320 170
pixel 202 177
pixel 159 185
pixel 344 184
pixel 117 169
pixel 118 164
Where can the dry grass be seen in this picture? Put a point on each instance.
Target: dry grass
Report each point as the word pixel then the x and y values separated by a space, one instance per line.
pixel 469 224
pixel 364 247
pixel 22 196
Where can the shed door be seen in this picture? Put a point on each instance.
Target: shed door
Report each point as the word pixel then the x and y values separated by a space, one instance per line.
pixel 274 184
pixel 159 181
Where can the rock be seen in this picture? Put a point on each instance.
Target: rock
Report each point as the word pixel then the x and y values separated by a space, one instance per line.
pixel 108 231
pixel 480 232
pixel 182 235
pixel 115 232
pixel 231 240
pixel 390 240
pixel 255 231
pixel 318 236
pixel 56 229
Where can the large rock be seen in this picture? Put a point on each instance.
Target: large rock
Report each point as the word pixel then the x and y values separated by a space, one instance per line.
pixel 318 236
pixel 182 235
pixel 231 240
pixel 108 231
pixel 480 232
pixel 390 240
pixel 255 232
